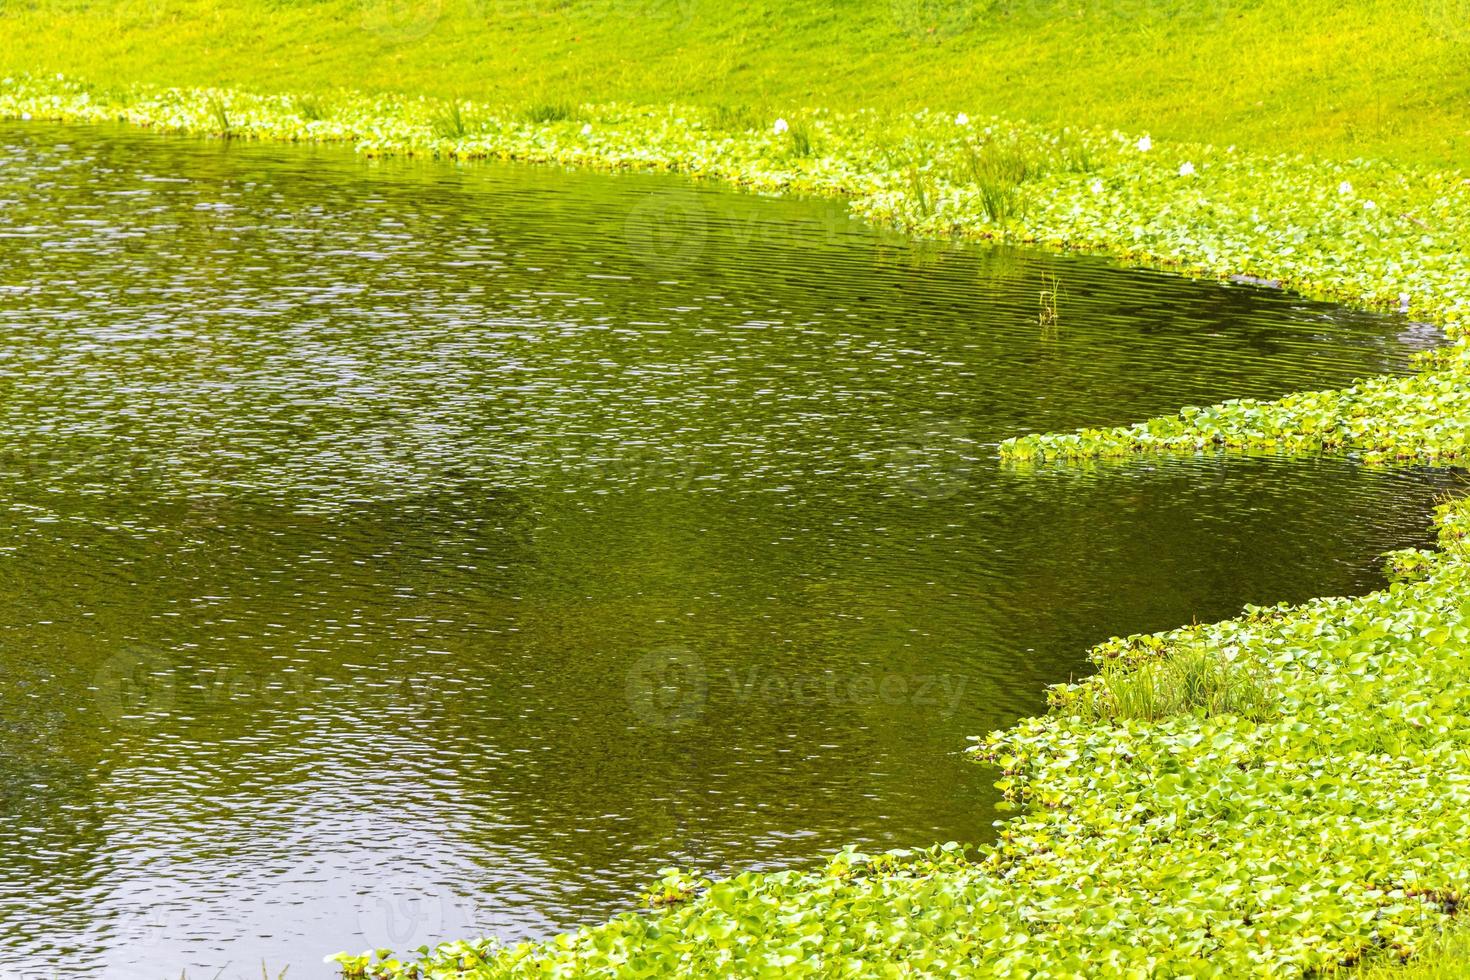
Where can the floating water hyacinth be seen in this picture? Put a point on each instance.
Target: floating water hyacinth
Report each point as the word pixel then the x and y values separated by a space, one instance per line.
pixel 780 126
pixel 1145 144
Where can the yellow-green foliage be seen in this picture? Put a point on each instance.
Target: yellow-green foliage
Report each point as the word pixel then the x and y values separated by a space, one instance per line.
pixel 1193 679
pixel 1424 417
pixel 1373 77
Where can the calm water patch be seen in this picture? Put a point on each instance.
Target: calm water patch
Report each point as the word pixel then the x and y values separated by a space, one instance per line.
pixel 397 551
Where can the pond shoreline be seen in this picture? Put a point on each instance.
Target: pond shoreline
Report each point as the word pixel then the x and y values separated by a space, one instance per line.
pixel 1164 828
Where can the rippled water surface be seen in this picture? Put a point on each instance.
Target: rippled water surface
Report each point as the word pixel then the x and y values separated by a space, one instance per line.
pixel 397 552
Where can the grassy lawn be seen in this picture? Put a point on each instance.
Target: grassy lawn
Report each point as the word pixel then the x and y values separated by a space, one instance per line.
pixel 1375 78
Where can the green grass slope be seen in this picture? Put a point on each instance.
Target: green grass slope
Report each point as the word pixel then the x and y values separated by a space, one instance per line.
pixel 1385 78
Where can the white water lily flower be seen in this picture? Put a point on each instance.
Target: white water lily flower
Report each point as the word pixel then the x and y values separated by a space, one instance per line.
pixel 1145 144
pixel 962 120
pixel 781 126
pixel 586 129
pixel 1186 169
pixel 1096 186
pixel 1344 188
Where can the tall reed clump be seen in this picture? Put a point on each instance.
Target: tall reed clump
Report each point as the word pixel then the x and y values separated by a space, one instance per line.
pixel 1194 679
pixel 921 192
pixel 998 166
pixel 1048 298
pixel 1074 155
pixel 800 141
pixel 732 119
pixel 547 112
pixel 309 108
pixel 219 113
pixel 450 121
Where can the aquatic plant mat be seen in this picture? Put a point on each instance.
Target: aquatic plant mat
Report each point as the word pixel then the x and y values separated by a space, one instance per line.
pixel 1283 793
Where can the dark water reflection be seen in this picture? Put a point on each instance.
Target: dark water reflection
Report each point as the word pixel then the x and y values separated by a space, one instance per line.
pixel 395 552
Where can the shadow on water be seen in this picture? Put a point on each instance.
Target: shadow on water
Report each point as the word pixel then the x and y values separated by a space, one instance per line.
pixel 397 551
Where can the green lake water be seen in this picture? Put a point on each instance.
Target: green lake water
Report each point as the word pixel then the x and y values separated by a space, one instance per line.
pixel 399 551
